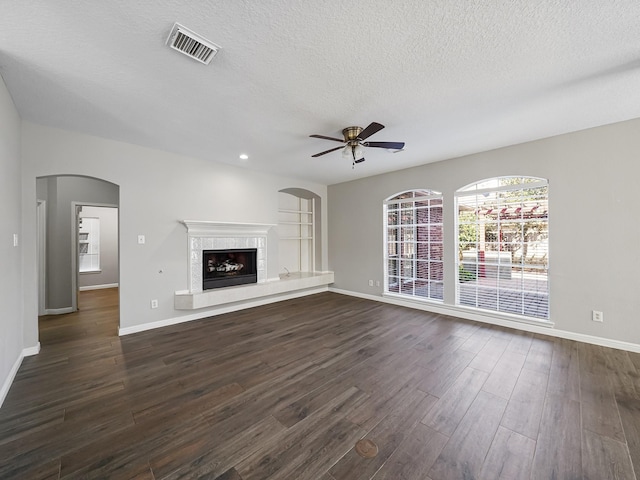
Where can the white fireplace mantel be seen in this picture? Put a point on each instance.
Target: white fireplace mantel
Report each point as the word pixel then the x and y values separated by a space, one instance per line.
pixel 226 229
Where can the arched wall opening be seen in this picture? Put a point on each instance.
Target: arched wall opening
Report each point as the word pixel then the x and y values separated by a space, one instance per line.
pixel 60 200
pixel 300 230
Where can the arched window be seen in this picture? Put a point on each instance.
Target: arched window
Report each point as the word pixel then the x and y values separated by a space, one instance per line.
pixel 413 237
pixel 503 246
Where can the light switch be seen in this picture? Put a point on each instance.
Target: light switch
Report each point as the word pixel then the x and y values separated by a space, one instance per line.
pixel 15 239
pixel 140 239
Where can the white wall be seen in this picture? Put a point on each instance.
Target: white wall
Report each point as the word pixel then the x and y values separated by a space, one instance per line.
pixel 594 229
pixel 11 286
pixel 108 274
pixel 157 189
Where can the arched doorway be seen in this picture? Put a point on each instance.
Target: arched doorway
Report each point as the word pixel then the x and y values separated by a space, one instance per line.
pixel 61 200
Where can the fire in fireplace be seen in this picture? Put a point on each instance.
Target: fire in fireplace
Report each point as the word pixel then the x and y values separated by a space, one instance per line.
pixel 224 268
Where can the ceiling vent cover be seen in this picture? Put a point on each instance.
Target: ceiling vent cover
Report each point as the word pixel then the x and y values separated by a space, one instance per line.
pixel 192 44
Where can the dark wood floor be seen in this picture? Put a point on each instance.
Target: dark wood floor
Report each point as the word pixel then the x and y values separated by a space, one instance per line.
pixel 285 391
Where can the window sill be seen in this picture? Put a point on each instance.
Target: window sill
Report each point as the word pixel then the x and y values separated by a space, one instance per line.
pixel 85 272
pixel 469 312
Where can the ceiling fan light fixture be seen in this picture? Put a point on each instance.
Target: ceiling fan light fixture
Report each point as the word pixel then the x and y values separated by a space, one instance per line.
pixel 355 141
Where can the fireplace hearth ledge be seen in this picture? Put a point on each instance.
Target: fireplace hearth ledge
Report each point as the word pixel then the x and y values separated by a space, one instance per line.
pixel 184 300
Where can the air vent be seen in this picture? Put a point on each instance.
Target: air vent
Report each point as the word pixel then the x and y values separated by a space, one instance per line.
pixel 192 44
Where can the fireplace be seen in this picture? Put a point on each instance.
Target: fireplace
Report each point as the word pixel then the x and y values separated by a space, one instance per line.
pixel 225 268
pixel 204 236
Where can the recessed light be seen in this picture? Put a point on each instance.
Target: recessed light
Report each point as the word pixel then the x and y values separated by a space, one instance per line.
pixel 244 156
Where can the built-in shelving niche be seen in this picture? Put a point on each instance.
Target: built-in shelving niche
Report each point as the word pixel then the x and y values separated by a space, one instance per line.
pixel 298 231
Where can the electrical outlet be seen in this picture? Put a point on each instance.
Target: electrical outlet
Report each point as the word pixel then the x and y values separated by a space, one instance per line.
pixel 371 283
pixel 141 239
pixel 154 303
pixel 377 283
pixel 597 316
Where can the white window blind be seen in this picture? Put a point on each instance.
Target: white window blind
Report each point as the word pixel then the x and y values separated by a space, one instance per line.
pixel 414 248
pixel 503 246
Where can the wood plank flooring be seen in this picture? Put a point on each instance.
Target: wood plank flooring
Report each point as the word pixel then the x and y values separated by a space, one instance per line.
pixel 286 390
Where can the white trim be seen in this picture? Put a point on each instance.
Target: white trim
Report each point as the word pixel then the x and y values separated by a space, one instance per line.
pixel 99 287
pixel 59 311
pixel 9 380
pixel 540 182
pixel 225 229
pixel 41 245
pixel 6 385
pixel 218 311
pixel 30 351
pixel 493 320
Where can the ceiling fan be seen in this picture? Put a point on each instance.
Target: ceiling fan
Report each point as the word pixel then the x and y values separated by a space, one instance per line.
pixel 354 142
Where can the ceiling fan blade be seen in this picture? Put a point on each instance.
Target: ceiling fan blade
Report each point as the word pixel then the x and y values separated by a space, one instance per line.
pixel 328 138
pixel 327 151
pixel 370 130
pixel 389 145
pixel 359 160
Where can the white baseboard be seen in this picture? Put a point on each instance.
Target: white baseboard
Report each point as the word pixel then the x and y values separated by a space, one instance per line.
pixel 503 322
pixel 30 351
pixel 58 311
pixel 220 310
pixel 98 287
pixel 6 385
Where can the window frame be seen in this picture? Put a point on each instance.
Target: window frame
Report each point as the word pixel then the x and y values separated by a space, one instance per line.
pixel 529 297
pixel 407 242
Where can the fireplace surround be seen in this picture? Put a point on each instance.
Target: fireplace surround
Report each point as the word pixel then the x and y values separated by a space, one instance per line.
pixel 205 235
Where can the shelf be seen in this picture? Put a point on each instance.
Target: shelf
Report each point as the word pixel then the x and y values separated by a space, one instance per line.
pixel 302 212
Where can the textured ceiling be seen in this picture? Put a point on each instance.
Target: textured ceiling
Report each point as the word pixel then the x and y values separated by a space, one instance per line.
pixel 448 77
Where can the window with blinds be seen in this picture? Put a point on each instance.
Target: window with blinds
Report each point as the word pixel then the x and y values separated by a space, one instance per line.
pixel 413 237
pixel 503 246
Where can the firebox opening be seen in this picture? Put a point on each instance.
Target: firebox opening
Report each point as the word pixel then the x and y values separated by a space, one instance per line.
pixel 225 268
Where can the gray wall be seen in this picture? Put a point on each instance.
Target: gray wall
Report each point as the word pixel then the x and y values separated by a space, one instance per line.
pixel 157 189
pixel 108 274
pixel 61 191
pixel 594 232
pixel 11 287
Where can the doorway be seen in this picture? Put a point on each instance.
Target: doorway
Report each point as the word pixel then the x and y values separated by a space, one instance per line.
pixel 95 252
pixel 62 201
